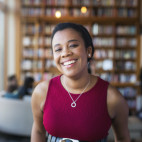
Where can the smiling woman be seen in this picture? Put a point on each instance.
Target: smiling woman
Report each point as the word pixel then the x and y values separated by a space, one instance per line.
pixel 77 106
pixel 69 52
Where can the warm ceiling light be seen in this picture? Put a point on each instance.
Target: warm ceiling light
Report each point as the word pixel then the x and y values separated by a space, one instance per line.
pixel 83 9
pixel 58 14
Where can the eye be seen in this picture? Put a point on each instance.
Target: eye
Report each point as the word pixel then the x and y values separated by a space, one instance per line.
pixel 73 45
pixel 58 49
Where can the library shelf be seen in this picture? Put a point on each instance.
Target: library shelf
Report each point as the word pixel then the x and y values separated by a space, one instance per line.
pixel 113 25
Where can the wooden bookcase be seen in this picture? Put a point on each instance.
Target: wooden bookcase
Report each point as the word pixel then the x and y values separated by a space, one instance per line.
pixel 113 25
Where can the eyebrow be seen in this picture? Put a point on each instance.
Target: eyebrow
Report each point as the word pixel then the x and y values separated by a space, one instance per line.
pixel 68 42
pixel 73 40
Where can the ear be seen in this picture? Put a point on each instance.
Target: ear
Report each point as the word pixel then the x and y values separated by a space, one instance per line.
pixel 89 52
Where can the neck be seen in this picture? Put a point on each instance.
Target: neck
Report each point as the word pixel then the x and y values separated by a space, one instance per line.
pixel 75 85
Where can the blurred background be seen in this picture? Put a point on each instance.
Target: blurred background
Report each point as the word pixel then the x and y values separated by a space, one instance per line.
pixel 26 55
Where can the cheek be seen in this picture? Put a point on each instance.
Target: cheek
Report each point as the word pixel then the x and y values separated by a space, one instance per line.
pixel 83 53
pixel 56 58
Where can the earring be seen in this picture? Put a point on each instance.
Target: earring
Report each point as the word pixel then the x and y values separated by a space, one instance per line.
pixel 89 55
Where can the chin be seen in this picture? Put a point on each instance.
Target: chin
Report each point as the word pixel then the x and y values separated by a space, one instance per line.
pixel 72 74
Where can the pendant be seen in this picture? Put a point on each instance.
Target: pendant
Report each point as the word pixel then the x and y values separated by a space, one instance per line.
pixel 73 104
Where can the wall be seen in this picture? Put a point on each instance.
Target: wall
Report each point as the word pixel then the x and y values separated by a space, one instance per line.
pixel 11 45
pixel 8 42
pixel 2 51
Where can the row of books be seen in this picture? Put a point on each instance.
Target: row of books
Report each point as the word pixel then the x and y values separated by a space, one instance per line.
pixel 115 2
pixel 29 64
pixel 29 41
pixel 28 2
pixel 125 54
pixel 128 92
pixel 83 2
pixel 36 64
pixel 110 41
pixel 40 53
pixel 112 12
pixel 122 30
pixel 105 2
pixel 99 12
pixel 102 29
pixel 126 2
pixel 123 42
pixel 97 29
pixel 100 54
pixel 106 41
pixel 32 29
pixel 127 65
pixel 32 11
pixel 98 65
pixel 118 66
pixel 122 78
pixel 48 2
pixel 67 2
pixel 103 54
pixel 56 2
pixel 109 29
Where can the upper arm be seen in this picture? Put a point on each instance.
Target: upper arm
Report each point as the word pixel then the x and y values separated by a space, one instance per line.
pixel 118 111
pixel 38 99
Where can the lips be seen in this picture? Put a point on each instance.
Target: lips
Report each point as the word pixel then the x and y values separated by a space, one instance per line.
pixel 69 62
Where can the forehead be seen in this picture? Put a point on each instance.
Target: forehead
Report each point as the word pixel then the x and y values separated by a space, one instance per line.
pixel 66 34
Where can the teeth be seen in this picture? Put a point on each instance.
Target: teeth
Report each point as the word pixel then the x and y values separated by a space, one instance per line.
pixel 69 62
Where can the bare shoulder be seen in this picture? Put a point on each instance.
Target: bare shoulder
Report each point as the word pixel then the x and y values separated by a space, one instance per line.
pixel 118 112
pixel 41 88
pixel 39 94
pixel 115 102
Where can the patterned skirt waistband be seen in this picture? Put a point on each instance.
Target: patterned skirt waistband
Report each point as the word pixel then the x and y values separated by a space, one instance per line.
pixel 51 138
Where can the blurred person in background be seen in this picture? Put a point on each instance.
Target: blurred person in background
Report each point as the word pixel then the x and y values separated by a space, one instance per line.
pixel 12 86
pixel 26 88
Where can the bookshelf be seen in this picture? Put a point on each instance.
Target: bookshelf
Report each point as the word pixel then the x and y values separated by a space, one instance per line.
pixel 113 25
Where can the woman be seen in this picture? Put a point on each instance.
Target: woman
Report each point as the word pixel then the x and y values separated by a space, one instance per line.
pixel 77 105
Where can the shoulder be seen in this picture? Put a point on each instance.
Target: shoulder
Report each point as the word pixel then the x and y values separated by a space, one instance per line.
pixel 41 88
pixel 115 102
pixel 39 94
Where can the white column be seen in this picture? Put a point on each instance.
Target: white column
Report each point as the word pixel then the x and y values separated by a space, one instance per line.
pixel 11 39
pixel 1 50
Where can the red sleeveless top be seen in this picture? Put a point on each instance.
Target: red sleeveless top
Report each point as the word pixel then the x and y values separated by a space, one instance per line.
pixel 88 121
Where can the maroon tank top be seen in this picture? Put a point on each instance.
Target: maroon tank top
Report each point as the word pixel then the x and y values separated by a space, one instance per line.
pixel 88 121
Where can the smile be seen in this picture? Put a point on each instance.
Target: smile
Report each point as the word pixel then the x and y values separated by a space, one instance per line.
pixel 69 62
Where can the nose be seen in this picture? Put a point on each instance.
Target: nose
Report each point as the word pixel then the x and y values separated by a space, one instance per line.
pixel 66 52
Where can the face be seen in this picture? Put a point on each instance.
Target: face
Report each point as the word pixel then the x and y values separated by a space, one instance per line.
pixel 70 54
